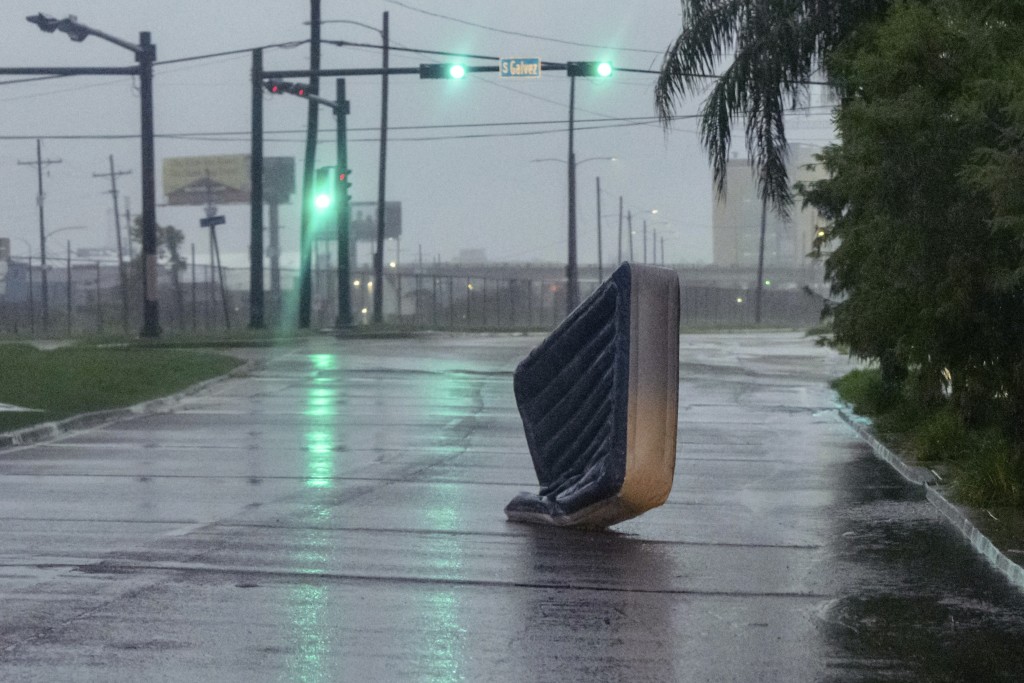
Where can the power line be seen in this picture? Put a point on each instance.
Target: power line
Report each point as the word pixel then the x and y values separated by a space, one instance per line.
pixel 287 46
pixel 244 134
pixel 518 33
pixel 241 134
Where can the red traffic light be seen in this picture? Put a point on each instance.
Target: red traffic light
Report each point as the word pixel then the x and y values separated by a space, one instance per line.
pixel 278 87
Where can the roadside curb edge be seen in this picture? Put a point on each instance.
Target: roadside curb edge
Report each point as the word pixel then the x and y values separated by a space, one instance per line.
pixel 952 513
pixel 51 430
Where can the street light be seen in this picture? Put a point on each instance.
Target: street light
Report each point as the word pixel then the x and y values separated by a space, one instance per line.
pixel 571 270
pixel 145 55
pixel 64 229
pixel 573 70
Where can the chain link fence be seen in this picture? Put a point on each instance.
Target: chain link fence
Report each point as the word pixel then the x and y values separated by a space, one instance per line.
pixel 94 298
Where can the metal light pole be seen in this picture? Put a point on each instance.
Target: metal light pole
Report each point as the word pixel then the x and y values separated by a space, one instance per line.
pixel 600 256
pixel 572 292
pixel 619 260
pixel 572 268
pixel 378 256
pixel 341 109
pixel 760 263
pixel 378 314
pixel 256 308
pixel 312 123
pixel 145 55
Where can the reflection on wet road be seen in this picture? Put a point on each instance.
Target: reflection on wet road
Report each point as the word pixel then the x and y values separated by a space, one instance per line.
pixel 337 515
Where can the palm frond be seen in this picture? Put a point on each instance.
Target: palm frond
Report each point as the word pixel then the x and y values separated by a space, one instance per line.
pixel 779 44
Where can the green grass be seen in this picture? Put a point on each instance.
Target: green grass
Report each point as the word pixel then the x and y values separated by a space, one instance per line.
pixel 74 380
pixel 864 390
pixel 987 467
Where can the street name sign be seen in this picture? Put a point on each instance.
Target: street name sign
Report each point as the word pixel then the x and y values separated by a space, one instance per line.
pixel 211 221
pixel 519 67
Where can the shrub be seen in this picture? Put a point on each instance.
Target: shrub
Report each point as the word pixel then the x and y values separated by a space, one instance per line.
pixel 941 436
pixel 992 474
pixel 866 392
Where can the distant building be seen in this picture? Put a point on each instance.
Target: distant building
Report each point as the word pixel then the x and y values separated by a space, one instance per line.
pixel 472 256
pixel 736 221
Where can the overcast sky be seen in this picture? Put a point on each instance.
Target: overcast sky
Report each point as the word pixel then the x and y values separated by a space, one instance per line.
pixel 457 192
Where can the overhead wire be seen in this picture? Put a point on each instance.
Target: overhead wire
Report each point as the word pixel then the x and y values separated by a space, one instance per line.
pixel 581 124
pixel 519 34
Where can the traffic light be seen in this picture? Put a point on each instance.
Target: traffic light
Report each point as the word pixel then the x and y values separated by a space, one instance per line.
pixel 344 184
pixel 330 195
pixel 442 71
pixel 280 87
pixel 589 69
pixel 324 191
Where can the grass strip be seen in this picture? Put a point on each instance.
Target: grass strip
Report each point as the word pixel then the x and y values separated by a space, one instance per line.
pixel 986 467
pixel 69 381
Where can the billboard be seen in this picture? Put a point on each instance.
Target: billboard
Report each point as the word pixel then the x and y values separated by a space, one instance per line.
pixel 224 179
pixel 364 220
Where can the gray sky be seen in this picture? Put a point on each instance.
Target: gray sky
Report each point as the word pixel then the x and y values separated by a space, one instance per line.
pixel 456 193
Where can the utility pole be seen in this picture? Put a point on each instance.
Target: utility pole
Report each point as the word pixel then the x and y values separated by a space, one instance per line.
pixel 256 312
pixel 572 293
pixel 128 227
pixel 40 163
pixel 760 262
pixel 619 259
pixel 378 256
pixel 117 228
pixel 341 110
pixel 600 268
pixel 312 123
pixel 645 240
pixel 145 55
pixel 629 227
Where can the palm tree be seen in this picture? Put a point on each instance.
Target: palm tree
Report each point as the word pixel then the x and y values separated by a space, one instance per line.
pixel 781 47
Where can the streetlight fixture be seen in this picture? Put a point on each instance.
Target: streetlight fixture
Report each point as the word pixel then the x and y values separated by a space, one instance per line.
pixel 64 229
pixel 145 55
pixel 573 70
pixel 378 256
pixel 573 288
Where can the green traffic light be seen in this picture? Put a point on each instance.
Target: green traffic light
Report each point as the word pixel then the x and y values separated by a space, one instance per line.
pixel 604 69
pixel 456 71
pixel 322 201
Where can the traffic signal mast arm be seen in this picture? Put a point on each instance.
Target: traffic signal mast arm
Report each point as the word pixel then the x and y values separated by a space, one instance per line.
pixel 299 90
pixel 442 70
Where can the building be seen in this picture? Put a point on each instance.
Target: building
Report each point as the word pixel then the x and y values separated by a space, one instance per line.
pixel 736 220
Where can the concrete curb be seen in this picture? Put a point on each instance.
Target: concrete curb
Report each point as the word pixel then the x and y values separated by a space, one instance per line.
pixel 953 513
pixel 912 473
pixel 51 430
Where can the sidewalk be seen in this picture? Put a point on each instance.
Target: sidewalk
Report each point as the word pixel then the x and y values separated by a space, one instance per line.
pixel 337 515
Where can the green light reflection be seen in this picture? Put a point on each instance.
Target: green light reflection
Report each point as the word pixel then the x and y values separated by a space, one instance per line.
pixel 321 402
pixel 446 647
pixel 444 650
pixel 313 657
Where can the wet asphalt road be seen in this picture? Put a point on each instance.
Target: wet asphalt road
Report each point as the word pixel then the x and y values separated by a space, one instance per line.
pixel 337 515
